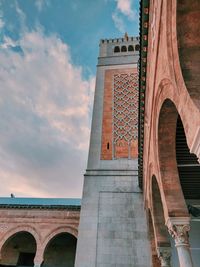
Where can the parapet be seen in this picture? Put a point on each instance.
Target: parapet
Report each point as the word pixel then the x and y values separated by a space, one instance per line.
pixel 119 46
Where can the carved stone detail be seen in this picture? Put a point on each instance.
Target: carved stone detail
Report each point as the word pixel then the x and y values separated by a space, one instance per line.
pixel 164 255
pixel 180 234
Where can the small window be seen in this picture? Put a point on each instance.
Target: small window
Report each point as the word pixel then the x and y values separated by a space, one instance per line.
pixel 124 48
pixel 137 47
pixel 108 146
pixel 130 48
pixel 116 49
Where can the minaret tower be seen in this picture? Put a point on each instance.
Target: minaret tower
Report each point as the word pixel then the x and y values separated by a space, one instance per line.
pixel 113 231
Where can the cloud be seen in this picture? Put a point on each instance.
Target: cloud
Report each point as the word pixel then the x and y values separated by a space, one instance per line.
pixel 124 10
pixel 44 124
pixel 125 7
pixel 118 21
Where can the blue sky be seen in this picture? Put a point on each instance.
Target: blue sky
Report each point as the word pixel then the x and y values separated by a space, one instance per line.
pixel 48 57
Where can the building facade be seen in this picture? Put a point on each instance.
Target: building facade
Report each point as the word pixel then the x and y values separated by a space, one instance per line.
pixel 38 232
pixel 169 129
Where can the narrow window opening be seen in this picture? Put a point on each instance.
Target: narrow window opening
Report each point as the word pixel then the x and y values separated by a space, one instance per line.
pixel 108 145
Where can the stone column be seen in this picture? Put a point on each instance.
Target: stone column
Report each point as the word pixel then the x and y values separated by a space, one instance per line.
pixel 164 255
pixel 178 229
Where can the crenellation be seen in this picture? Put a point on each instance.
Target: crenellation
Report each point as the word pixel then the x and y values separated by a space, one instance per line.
pixel 108 46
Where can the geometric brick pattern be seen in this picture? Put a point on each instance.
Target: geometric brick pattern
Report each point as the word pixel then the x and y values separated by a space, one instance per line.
pixel 125 113
pixel 125 107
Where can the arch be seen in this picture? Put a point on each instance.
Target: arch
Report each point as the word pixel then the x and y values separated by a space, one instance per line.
pixel 166 93
pixel 171 187
pixel 116 49
pixel 130 48
pixel 60 245
pixel 123 48
pixel 191 120
pixel 137 47
pixel 23 228
pixel 19 249
pixel 66 229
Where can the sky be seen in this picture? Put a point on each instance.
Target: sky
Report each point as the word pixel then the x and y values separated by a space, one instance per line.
pixel 48 57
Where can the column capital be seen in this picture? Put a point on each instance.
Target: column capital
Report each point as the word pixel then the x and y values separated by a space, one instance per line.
pixel 178 228
pixel 164 255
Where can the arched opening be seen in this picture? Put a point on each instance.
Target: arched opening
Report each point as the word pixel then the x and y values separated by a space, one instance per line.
pixel 60 251
pixel 130 48
pixel 175 205
pixel 137 47
pixel 188 24
pixel 179 172
pixel 123 48
pixel 116 49
pixel 19 250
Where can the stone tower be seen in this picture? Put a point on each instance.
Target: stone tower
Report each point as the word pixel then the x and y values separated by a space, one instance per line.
pixel 113 231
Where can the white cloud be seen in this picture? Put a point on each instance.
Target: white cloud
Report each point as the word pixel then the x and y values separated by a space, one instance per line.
pixel 124 8
pixel 118 21
pixel 44 124
pixel 8 42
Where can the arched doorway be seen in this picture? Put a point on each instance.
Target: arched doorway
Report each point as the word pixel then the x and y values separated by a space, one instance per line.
pixel 60 251
pixel 19 250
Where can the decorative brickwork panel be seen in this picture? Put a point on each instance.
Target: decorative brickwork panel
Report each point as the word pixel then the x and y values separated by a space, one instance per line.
pixel 120 114
pixel 125 114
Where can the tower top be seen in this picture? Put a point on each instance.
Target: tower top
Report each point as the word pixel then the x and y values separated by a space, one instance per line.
pixel 119 46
